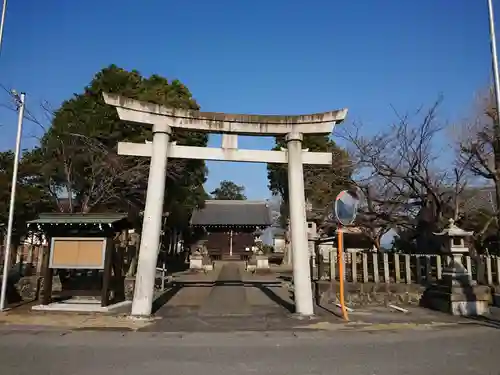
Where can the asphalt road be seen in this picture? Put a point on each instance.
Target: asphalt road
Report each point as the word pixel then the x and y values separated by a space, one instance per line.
pixel 451 351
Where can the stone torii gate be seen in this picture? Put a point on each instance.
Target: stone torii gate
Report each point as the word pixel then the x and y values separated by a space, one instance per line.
pixel 163 119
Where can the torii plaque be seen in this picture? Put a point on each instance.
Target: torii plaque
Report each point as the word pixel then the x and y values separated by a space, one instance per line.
pixel 163 119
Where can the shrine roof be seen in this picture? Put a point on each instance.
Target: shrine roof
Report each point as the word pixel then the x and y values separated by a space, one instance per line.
pixel 233 213
pixel 78 218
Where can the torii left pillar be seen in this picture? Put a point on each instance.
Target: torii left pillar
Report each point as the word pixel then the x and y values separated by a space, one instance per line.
pixel 298 227
pixel 151 226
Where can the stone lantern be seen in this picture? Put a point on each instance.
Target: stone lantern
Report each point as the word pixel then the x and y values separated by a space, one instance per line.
pixel 453 240
pixel 456 293
pixel 257 236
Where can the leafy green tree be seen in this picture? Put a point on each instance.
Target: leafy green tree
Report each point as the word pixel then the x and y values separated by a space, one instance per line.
pixel 321 182
pixel 77 156
pixel 31 198
pixel 230 191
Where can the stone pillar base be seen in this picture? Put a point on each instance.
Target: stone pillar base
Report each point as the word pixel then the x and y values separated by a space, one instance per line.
pixel 262 262
pixel 196 262
pixel 200 263
pixel 258 264
pixel 468 300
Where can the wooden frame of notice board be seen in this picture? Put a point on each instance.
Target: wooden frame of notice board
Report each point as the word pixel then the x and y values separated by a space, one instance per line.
pixel 78 253
pixel 85 243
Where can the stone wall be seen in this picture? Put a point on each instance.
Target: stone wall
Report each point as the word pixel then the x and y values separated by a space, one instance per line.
pixel 26 288
pixel 29 288
pixel 362 294
pixel 372 294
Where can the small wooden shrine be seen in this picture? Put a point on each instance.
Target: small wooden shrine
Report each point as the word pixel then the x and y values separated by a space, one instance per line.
pixel 83 255
pixel 231 227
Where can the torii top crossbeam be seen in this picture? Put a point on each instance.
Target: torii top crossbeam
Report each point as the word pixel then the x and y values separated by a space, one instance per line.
pixel 216 122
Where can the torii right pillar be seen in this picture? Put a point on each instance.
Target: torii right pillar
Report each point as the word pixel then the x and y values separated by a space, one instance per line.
pixel 298 227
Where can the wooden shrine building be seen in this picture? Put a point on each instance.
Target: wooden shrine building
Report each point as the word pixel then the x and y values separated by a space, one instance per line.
pixel 231 227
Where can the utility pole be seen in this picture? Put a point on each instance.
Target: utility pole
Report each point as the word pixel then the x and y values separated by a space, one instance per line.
pixel 2 21
pixel 496 120
pixel 20 101
pixel 494 58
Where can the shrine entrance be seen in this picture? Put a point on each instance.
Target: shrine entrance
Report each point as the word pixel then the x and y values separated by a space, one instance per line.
pixel 163 119
pixel 231 227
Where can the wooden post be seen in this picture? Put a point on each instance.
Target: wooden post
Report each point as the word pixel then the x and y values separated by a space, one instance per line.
pixel 332 259
pixel 498 269
pixel 106 277
pixel 42 250
pixel 428 269
pixel 365 267
pixel 29 259
pixel 385 257
pixel 354 271
pixel 418 267
pixel 47 275
pixel 489 273
pixel 376 278
pixel 407 269
pixel 397 270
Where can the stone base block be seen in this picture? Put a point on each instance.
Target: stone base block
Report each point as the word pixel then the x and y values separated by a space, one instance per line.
pixel 251 267
pixel 196 263
pixel 258 263
pixel 200 263
pixel 461 301
pixel 262 262
pixel 208 267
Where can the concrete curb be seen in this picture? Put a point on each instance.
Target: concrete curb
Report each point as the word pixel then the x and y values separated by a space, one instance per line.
pixel 370 327
pixel 319 327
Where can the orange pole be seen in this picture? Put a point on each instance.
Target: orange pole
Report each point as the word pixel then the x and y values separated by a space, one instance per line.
pixel 340 259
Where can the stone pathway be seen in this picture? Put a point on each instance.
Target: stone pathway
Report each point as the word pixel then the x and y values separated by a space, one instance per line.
pixel 230 292
pixel 228 296
pixel 234 300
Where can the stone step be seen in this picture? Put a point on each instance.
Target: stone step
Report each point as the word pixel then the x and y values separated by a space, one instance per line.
pixel 236 257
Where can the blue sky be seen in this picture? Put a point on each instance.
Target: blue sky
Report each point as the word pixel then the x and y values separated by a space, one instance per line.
pixel 278 56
